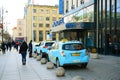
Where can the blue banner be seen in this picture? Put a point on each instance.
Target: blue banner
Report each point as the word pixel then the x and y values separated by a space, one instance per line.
pixel 61 6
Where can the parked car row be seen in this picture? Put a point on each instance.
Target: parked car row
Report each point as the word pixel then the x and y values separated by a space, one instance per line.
pixel 63 52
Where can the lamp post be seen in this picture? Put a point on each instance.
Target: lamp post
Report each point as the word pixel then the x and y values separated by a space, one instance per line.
pixel 2 23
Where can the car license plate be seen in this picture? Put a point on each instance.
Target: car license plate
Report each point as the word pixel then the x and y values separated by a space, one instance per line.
pixel 75 61
pixel 75 54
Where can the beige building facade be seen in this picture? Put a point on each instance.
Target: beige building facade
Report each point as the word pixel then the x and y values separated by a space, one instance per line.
pixel 39 19
pixel 19 32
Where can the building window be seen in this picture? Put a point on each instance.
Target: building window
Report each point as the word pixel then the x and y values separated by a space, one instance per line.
pixel 47 18
pixel 20 28
pixel 82 2
pixel 34 35
pixel 20 34
pixel 67 4
pixel 47 34
pixel 34 10
pixel 34 25
pixel 60 17
pixel 20 23
pixel 53 36
pixel 54 12
pixel 47 11
pixel 41 18
pixel 47 25
pixel 72 7
pixel 40 25
pixel 54 18
pixel 34 18
pixel 41 11
pixel 40 35
pixel 76 3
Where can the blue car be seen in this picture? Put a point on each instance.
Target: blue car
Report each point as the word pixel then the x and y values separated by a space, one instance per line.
pixel 35 46
pixel 43 48
pixel 68 53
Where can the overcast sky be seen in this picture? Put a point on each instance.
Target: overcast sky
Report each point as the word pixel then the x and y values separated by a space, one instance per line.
pixel 15 10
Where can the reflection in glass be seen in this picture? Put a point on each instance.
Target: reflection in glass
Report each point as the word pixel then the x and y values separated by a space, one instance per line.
pixel 83 15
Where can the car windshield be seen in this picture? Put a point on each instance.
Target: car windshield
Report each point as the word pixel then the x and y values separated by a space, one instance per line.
pixel 49 44
pixel 72 46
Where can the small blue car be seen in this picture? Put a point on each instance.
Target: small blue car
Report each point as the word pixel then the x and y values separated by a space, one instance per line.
pixel 43 48
pixel 68 53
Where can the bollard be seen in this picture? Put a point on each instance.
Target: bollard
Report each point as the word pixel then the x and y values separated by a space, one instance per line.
pixel 60 71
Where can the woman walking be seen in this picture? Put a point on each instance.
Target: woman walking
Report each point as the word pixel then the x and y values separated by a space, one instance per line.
pixel 23 52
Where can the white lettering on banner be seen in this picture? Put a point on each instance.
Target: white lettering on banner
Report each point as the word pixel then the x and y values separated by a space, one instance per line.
pixel 56 23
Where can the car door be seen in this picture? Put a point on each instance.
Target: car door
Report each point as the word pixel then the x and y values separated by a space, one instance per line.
pixel 53 53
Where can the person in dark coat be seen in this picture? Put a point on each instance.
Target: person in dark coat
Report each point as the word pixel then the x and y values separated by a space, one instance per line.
pixel 9 45
pixel 3 47
pixel 30 49
pixel 16 45
pixel 23 52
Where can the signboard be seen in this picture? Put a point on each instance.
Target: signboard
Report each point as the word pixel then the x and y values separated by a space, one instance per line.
pixel 59 22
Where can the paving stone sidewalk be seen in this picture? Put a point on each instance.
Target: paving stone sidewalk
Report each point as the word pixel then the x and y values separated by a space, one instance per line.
pixel 11 68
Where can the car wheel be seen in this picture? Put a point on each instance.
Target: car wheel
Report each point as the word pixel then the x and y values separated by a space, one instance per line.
pixel 84 65
pixel 57 63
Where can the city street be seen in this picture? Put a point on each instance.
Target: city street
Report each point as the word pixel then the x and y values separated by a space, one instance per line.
pixel 11 68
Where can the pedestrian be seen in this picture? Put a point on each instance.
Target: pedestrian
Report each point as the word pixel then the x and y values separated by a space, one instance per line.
pixel 3 47
pixel 6 45
pixel 23 52
pixel 30 49
pixel 9 45
pixel 16 45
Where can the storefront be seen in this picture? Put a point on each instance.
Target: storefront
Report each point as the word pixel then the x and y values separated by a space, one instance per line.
pixel 78 24
pixel 81 31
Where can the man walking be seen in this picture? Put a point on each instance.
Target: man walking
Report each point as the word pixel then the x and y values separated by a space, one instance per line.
pixel 23 52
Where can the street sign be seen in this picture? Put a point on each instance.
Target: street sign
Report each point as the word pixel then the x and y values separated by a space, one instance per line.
pixel 1 25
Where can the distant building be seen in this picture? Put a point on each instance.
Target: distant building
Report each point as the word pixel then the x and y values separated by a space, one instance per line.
pixel 39 19
pixel 19 32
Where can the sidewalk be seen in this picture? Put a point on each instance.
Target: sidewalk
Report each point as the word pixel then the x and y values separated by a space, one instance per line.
pixel 11 68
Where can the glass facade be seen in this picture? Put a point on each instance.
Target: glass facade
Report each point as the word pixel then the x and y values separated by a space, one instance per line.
pixel 109 28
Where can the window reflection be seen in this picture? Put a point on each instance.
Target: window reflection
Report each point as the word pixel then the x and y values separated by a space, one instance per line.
pixel 83 15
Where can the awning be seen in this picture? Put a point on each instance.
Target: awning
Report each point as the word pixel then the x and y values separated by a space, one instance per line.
pixel 74 25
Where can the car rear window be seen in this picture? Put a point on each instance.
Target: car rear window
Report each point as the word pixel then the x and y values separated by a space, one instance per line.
pixel 73 46
pixel 49 44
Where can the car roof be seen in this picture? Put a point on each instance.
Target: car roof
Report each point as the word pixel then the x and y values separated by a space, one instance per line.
pixel 67 42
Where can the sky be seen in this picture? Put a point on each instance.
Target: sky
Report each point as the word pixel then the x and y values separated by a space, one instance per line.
pixel 15 10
